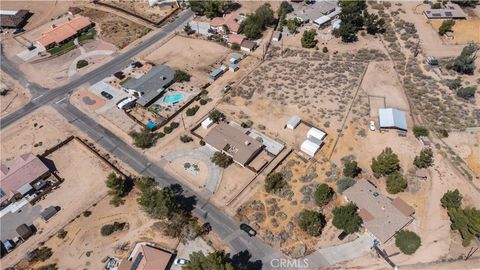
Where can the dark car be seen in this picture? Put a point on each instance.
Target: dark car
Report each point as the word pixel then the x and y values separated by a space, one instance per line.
pixel 106 95
pixel 342 235
pixel 249 230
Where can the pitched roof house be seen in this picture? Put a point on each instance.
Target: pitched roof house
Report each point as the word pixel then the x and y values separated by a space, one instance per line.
pixel 234 142
pixel 382 216
pixel 17 176
pixel 145 257
pixel 62 33
pixel 232 21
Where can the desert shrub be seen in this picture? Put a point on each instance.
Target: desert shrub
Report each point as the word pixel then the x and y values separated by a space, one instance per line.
pixel 453 84
pixel 467 92
pixel 247 124
pixel 425 159
pixel 446 26
pixel 308 39
pixel 174 125
pixel 408 242
pixel 192 110
pixel 108 229
pixel 167 129
pixel 41 254
pixel 181 76
pixel 344 183
pixel 62 234
pixel 216 116
pixel 325 50
pixel 419 131
pixel 203 102
pixel 292 25
pixel 274 182
pixel 351 169
pixel 346 218
pixel 186 138
pixel 323 194
pixel 235 46
pixel 221 159
pixel 385 163
pixel 82 63
pixel 451 199
pixel 188 29
pixel 143 139
pixel 436 5
pixel 465 62
pixel 52 266
pixel 311 222
pixel 396 183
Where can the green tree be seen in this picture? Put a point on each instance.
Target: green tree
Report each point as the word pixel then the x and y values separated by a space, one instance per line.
pixel 118 185
pixel 213 8
pixel 213 261
pixel 347 31
pixel 386 163
pixel 425 159
pixel 419 131
pixel 221 159
pixel 255 23
pixel 181 76
pixel 351 169
pixel 286 6
pixel 143 139
pixel 373 23
pixel 451 199
pixel 145 183
pixel 446 26
pixel 274 182
pixel 250 28
pixel 292 25
pixel 82 63
pixel 467 92
pixel 311 222
pixel 465 62
pixel 466 221
pixel 396 183
pixel 308 39
pixel 408 242
pixel 159 203
pixel 323 194
pixel 346 218
pixel 344 183
pixel 466 3
pixel 188 29
pixel 216 116
pixel 436 5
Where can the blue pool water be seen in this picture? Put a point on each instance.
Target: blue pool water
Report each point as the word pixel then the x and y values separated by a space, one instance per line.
pixel 174 98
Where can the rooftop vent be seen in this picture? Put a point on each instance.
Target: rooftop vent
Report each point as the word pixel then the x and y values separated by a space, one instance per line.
pixel 247 142
pixel 375 194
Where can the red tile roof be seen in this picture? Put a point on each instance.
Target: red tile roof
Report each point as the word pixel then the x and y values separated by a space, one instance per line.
pixel 64 31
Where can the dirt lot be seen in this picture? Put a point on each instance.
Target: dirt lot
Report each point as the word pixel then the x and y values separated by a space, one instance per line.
pixel 464 31
pixel 141 8
pixel 467 146
pixel 192 55
pixel 115 29
pixel 16 96
pixel 83 173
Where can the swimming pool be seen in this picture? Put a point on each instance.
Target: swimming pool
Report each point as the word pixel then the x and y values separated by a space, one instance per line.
pixel 173 98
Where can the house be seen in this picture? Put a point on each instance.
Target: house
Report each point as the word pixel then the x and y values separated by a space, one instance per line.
pixel 74 11
pixel 248 45
pixel 14 18
pixel 60 34
pixel 235 39
pixel 293 122
pixel 147 257
pixel 152 84
pixel 17 177
pixel 48 213
pixel 382 217
pixel 234 68
pixel 392 118
pixel 24 231
pixel 276 36
pixel 235 59
pixel 449 11
pixel 319 12
pixel 208 122
pixel 230 21
pixel 234 142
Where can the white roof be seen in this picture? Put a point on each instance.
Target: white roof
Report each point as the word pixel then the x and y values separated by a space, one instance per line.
pixel 392 118
pixel 293 122
pixel 24 189
pixel 322 20
pixel 8 12
pixel 315 133
pixel 207 122
pixel 309 147
pixel 336 23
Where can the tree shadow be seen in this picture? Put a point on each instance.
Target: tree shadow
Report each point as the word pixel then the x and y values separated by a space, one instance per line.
pixel 242 261
pixel 187 203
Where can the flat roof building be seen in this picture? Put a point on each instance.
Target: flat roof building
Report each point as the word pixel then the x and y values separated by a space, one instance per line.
pixel 449 11
pixel 314 12
pixel 145 257
pixel 17 176
pixel 152 84
pixel 14 18
pixel 382 217
pixel 392 118
pixel 234 142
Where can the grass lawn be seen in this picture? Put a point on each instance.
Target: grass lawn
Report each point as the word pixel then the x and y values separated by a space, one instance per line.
pixel 90 34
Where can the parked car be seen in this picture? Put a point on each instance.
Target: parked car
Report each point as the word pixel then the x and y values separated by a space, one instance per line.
pixel 227 88
pixel 106 95
pixel 372 125
pixel 342 235
pixel 181 262
pixel 249 230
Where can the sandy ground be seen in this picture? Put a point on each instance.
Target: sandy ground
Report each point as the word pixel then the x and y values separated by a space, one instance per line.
pixel 84 247
pixel 464 31
pixel 141 8
pixel 466 145
pixel 84 173
pixel 197 57
pixel 15 98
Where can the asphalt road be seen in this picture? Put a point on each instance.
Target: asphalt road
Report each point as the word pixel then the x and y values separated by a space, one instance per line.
pixel 259 253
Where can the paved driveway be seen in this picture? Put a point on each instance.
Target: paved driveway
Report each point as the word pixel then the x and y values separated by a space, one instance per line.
pixel 9 222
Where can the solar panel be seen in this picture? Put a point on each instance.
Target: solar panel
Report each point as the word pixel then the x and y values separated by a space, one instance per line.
pixel 448 13
pixel 436 14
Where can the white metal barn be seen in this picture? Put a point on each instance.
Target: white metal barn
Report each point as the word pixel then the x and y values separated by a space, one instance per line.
pixel 315 133
pixel 293 122
pixel 310 147
pixel 207 123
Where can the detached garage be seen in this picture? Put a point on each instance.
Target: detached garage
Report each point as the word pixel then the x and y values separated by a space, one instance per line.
pixel 392 118
pixel 310 147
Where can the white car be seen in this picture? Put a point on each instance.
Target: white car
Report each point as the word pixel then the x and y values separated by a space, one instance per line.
pixel 181 262
pixel 372 125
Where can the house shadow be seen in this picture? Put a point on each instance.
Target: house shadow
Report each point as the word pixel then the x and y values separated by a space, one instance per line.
pixel 49 163
pixel 242 261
